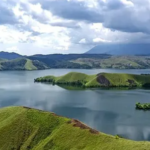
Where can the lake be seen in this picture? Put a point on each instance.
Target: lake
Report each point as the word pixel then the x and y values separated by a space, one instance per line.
pixel 109 111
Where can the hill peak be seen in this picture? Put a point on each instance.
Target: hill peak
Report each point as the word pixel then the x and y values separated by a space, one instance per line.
pixel 121 49
pixel 9 55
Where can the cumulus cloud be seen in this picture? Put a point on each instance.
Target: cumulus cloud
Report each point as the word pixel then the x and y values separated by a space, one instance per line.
pixel 71 9
pixel 82 41
pixel 54 26
pixel 67 24
pixel 99 40
pixel 6 14
pixel 12 49
pixel 9 34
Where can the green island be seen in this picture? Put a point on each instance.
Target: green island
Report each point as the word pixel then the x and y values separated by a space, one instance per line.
pixel 23 128
pixel 98 80
pixel 145 106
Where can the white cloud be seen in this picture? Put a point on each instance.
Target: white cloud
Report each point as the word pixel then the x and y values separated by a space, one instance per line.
pixel 127 3
pixel 12 49
pixel 40 30
pixel 82 41
pixel 98 40
pixel 10 34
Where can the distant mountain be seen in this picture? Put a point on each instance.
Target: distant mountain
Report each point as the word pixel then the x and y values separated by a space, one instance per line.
pixel 65 60
pixel 121 49
pixel 22 64
pixel 7 55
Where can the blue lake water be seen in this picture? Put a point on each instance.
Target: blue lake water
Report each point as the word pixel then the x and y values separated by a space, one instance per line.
pixel 109 111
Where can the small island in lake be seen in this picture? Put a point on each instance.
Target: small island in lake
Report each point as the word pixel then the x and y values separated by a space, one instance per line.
pixel 98 80
pixel 145 106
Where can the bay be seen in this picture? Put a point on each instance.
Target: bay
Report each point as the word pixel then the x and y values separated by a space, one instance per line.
pixel 109 111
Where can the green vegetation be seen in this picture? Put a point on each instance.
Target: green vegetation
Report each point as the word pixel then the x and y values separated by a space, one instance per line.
pixel 23 128
pixel 79 61
pixel 118 62
pixel 29 65
pixel 99 80
pixel 93 61
pixel 73 78
pixel 21 64
pixel 145 106
pixel 65 60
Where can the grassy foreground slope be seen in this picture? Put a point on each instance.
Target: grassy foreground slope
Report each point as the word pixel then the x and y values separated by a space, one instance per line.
pixel 24 128
pixel 21 64
pixel 99 80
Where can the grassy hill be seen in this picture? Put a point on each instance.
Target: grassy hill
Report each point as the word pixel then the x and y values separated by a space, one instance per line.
pixel 99 80
pixel 117 62
pixel 21 64
pixel 23 128
pixel 85 61
pixel 64 60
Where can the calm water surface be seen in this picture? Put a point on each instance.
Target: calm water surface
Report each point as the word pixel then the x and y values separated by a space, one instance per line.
pixel 109 111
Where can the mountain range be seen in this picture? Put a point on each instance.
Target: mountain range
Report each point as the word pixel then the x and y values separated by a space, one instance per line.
pixel 7 55
pixel 37 62
pixel 121 49
pixel 21 64
pixel 118 56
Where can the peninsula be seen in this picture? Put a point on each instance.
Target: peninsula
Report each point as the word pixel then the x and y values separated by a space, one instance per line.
pixel 98 80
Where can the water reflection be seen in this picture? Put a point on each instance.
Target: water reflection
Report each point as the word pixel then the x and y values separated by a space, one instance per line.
pixel 109 111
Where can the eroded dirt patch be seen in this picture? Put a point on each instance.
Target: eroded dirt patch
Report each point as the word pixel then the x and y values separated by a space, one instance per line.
pixel 55 114
pixel 102 80
pixel 26 107
pixel 77 123
pixel 131 82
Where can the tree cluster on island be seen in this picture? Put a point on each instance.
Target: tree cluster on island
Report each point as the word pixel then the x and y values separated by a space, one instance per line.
pixel 145 106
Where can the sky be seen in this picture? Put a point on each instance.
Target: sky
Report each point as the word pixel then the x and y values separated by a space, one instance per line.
pixel 71 26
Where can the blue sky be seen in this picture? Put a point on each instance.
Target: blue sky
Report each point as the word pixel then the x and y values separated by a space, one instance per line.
pixel 71 26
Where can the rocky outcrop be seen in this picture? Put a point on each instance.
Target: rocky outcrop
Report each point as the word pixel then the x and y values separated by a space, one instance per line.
pixel 103 80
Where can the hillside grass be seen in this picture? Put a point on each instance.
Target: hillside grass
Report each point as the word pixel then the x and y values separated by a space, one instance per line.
pixel 70 78
pixel 114 79
pixel 29 65
pixel 120 79
pixel 75 76
pixel 30 129
pixel 21 64
pixel 119 62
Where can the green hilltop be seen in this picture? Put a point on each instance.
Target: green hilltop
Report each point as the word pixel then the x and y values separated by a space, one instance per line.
pixel 99 80
pixel 23 128
pixel 117 62
pixel 21 64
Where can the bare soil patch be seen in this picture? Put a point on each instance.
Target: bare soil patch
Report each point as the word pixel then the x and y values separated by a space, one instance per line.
pixel 77 123
pixel 102 80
